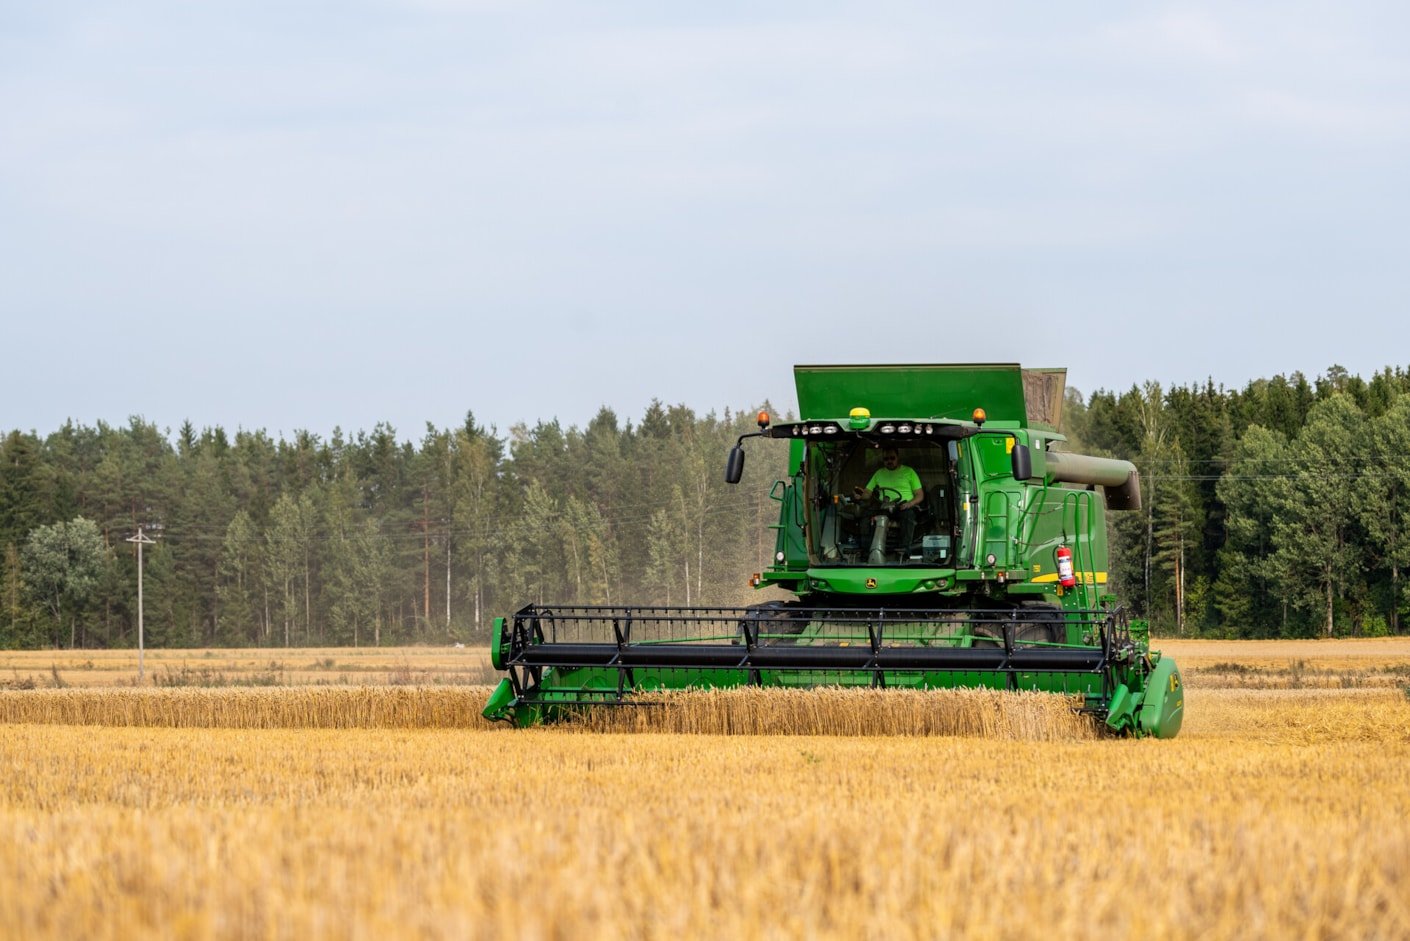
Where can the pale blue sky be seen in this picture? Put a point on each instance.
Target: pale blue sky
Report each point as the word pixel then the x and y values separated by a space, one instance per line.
pixel 291 215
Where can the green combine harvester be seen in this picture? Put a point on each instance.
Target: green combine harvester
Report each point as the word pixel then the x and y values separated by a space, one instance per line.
pixel 933 535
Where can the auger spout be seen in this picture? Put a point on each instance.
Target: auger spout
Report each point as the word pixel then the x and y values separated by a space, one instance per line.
pixel 1120 479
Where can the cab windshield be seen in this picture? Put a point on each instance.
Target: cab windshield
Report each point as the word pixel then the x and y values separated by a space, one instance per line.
pixel 883 505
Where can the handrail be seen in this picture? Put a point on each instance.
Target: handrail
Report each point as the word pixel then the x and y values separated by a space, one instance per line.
pixel 1080 501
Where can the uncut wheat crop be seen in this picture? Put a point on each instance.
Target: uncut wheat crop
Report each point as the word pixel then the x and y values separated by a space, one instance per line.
pixel 717 712
pixel 1276 813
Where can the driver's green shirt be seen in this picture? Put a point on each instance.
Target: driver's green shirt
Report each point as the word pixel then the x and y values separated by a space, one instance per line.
pixel 904 480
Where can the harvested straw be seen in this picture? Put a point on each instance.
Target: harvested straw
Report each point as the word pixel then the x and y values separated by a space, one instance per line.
pixel 298 707
pixel 834 711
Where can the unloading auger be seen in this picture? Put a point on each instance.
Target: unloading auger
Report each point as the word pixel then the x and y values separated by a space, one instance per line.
pixel 949 544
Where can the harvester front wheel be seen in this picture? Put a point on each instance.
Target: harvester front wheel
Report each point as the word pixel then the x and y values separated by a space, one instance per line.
pixel 1033 624
pixel 772 623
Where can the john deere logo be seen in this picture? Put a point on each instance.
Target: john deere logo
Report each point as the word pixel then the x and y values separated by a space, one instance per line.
pixel 871 583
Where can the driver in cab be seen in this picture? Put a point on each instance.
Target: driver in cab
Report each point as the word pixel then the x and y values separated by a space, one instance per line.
pixel 896 481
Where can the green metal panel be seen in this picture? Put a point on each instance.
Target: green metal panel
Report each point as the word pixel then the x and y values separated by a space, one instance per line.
pixel 790 539
pixel 501 700
pixel 886 580
pixel 1163 708
pixel 789 536
pixel 498 637
pixel 953 391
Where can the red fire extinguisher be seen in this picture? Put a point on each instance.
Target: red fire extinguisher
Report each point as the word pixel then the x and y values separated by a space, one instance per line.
pixel 1066 578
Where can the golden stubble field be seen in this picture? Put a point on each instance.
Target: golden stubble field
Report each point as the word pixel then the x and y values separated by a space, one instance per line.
pixel 1279 812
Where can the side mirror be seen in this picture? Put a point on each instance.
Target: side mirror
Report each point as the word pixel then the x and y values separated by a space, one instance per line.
pixel 1022 462
pixel 734 467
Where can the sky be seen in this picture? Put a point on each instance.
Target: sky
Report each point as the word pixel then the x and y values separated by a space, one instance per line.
pixel 306 215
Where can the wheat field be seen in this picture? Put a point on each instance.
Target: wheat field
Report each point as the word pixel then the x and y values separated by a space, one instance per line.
pixel 387 811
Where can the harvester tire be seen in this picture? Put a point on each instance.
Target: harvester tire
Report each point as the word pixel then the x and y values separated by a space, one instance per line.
pixel 773 617
pixel 1033 624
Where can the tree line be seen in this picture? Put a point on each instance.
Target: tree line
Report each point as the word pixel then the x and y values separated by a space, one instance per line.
pixel 1273 510
pixel 1276 510
pixel 369 539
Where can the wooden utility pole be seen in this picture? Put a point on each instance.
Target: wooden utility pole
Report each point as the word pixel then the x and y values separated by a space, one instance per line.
pixel 141 540
pixel 426 553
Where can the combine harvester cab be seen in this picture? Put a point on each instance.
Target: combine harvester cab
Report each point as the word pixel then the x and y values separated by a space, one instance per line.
pixel 932 534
